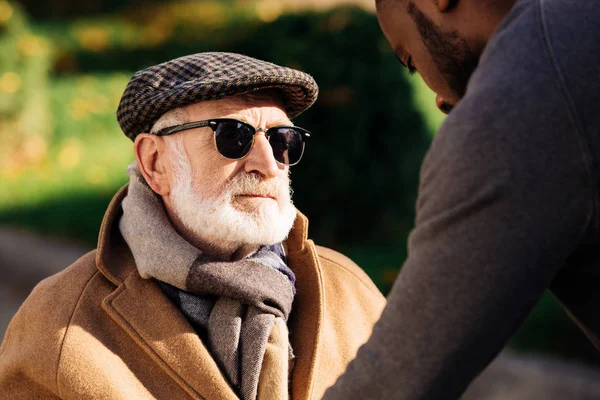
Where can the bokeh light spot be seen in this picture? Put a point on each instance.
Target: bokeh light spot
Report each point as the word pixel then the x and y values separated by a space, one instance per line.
pixel 6 11
pixel 10 82
pixel 70 154
pixel 96 174
pixel 268 10
pixel 32 45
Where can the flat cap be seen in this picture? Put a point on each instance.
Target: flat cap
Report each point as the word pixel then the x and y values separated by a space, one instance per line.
pixel 207 76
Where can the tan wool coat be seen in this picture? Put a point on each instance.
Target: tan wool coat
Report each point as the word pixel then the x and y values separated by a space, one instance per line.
pixel 97 330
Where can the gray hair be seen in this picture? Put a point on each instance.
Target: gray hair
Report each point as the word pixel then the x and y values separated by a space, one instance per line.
pixel 176 116
pixel 174 144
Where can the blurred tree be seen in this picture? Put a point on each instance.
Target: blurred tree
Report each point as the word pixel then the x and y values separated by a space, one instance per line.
pixel 62 9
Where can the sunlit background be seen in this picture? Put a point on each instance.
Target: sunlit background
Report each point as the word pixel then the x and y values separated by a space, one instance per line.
pixel 64 65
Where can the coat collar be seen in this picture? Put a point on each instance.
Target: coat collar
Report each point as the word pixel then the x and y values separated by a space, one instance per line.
pixel 149 317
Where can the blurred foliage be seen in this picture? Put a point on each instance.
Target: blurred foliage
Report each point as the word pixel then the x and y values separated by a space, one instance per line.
pixel 86 159
pixel 63 155
pixel 24 115
pixel 142 37
pixel 61 9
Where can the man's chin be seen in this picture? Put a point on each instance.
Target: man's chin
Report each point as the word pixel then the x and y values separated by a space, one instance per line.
pixel 268 223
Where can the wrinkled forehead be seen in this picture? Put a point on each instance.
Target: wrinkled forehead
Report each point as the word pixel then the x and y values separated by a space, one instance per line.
pixel 263 105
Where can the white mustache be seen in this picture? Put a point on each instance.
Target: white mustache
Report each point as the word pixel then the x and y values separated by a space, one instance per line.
pixel 244 184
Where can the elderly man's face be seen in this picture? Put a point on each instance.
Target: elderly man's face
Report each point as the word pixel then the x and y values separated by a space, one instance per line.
pixel 239 202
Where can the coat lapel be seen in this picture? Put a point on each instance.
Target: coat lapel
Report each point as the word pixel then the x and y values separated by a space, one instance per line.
pixel 306 319
pixel 148 316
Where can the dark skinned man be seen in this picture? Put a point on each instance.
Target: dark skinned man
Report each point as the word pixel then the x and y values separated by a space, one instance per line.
pixel 509 201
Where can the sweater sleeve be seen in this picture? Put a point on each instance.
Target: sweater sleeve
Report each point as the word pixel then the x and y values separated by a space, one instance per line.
pixel 505 199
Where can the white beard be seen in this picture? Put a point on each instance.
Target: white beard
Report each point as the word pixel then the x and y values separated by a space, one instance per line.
pixel 219 218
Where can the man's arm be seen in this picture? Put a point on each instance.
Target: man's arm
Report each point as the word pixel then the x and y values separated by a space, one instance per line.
pixel 505 198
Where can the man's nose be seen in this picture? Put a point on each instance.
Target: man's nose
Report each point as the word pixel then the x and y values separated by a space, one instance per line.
pixel 442 104
pixel 260 159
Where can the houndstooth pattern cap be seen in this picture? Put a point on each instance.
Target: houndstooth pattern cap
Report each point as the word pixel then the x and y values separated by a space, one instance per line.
pixel 207 76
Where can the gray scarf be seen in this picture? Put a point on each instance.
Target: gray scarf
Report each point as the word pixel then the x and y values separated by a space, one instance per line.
pixel 245 298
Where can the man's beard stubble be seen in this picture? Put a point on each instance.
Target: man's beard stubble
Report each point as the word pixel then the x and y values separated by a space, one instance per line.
pixel 216 216
pixel 451 53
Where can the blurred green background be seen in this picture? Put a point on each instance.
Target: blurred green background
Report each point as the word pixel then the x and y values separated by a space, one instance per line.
pixel 65 63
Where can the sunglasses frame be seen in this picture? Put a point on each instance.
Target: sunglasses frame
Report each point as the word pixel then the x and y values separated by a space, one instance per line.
pixel 214 123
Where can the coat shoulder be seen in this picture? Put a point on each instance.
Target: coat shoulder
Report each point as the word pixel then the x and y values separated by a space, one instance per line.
pixel 341 264
pixel 30 352
pixel 58 294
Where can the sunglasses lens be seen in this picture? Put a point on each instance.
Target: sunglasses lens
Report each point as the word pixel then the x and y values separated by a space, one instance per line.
pixel 287 145
pixel 233 138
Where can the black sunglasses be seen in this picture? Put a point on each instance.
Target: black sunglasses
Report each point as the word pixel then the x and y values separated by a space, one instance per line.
pixel 234 139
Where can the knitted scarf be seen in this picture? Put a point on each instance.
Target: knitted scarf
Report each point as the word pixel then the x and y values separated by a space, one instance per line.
pixel 247 301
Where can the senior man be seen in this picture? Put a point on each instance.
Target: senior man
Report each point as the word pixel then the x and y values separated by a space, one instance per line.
pixel 194 290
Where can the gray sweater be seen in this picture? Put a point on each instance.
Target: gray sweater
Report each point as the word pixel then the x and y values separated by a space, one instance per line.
pixel 508 207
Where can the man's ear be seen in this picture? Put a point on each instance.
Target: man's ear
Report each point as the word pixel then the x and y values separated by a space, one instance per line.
pixel 150 153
